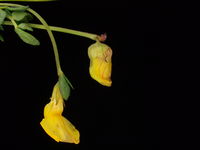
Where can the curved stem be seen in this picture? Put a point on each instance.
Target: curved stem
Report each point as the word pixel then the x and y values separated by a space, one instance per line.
pixel 59 29
pixel 59 71
pixel 53 41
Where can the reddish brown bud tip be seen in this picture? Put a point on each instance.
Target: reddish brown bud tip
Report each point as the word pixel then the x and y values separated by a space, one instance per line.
pixel 102 37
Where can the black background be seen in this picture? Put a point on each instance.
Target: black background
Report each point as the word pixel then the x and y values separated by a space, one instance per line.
pixel 126 113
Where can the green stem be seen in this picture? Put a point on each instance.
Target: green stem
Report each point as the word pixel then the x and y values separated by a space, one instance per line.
pixel 59 29
pixel 3 7
pixel 53 41
pixel 31 0
pixel 12 21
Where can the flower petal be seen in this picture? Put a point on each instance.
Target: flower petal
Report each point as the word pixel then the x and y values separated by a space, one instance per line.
pixel 60 129
pixel 101 71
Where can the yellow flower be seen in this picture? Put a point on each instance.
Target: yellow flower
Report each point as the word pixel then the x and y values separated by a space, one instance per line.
pixel 100 63
pixel 54 124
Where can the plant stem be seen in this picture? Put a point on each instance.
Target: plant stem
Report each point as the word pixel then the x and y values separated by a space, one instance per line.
pixel 12 21
pixel 3 7
pixel 31 0
pixel 55 49
pixel 59 29
pixel 53 41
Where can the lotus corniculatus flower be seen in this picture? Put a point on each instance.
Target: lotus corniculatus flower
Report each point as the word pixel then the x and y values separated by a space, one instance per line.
pixel 54 124
pixel 100 56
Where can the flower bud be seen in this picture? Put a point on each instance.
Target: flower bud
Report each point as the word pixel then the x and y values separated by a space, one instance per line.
pixel 100 63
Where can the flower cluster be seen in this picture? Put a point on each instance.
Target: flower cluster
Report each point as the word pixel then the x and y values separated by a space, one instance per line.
pixel 54 124
pixel 100 55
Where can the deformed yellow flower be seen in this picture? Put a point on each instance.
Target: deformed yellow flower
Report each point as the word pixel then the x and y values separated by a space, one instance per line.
pixel 100 63
pixel 54 124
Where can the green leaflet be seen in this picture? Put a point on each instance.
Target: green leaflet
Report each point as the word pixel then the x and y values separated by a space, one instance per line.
pixel 25 26
pixel 2 16
pixel 64 87
pixel 1 38
pixel 19 15
pixel 27 37
pixel 8 12
pixel 1 28
pixel 18 8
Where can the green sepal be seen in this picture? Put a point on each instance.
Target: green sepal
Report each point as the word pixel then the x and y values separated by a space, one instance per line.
pixel 19 15
pixel 68 82
pixel 27 37
pixel 2 16
pixel 1 38
pixel 64 87
pixel 25 26
pixel 18 8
